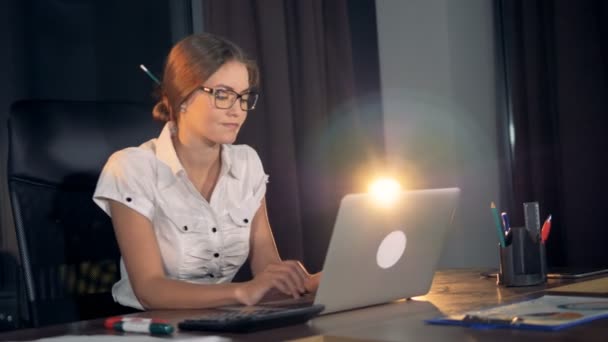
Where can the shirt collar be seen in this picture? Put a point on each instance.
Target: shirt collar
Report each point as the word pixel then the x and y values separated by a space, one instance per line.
pixel 165 152
pixel 228 165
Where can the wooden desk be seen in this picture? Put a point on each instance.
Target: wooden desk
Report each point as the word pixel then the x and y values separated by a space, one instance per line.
pixel 453 291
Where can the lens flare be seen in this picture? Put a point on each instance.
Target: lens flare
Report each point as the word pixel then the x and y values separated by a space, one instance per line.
pixel 385 190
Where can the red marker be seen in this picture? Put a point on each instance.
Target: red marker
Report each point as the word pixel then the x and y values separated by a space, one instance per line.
pixel 546 229
pixel 109 322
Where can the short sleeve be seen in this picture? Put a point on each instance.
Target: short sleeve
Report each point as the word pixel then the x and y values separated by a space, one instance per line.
pixel 255 167
pixel 258 177
pixel 127 178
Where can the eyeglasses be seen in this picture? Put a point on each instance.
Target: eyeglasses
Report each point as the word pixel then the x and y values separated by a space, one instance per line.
pixel 225 98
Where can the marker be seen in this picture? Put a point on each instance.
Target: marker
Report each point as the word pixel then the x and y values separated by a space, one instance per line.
pixel 109 322
pixel 501 234
pixel 545 230
pixel 139 325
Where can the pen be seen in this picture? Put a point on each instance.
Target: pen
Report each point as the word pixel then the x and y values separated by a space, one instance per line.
pixel 489 320
pixel 545 230
pixel 501 234
pixel 139 325
pixel 509 237
pixel 505 222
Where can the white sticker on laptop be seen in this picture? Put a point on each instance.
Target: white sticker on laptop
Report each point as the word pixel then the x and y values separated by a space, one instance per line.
pixel 391 249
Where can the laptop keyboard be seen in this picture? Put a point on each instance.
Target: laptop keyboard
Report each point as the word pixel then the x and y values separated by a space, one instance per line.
pixel 303 301
pixel 251 319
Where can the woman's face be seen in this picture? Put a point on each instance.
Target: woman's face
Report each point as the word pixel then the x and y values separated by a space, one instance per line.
pixel 204 120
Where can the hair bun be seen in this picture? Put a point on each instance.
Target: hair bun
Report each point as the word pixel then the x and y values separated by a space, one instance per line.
pixel 161 112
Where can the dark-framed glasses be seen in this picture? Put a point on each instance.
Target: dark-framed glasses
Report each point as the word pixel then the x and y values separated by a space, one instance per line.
pixel 225 98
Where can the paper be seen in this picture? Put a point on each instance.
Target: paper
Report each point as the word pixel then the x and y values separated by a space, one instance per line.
pixel 596 286
pixel 544 313
pixel 131 338
pixel 324 338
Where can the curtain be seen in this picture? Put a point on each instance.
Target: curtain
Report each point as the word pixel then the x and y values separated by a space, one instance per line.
pixel 556 74
pixel 315 139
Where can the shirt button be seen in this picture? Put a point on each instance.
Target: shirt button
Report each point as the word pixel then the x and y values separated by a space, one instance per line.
pixel 129 199
pixel 186 228
pixel 246 220
pixel 214 229
pixel 217 255
pixel 211 276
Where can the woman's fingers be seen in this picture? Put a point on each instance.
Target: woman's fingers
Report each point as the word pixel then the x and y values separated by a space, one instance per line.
pixel 299 270
pixel 297 276
pixel 286 286
pixel 279 284
pixel 292 273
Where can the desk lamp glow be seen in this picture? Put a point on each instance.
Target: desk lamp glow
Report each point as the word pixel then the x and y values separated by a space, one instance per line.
pixel 385 192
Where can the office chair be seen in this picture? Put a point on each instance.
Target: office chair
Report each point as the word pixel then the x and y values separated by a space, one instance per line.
pixel 9 297
pixel 68 251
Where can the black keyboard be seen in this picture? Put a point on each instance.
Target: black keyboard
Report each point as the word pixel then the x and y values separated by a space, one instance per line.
pixel 248 320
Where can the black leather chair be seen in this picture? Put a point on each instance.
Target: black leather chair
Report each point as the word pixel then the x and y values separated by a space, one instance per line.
pixel 9 295
pixel 69 254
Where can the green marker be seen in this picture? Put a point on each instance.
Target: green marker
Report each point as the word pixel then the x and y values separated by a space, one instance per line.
pixel 501 234
pixel 144 326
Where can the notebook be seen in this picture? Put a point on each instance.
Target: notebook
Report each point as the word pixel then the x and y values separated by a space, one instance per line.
pixel 380 252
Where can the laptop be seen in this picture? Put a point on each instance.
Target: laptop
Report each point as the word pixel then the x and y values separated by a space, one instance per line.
pixel 380 251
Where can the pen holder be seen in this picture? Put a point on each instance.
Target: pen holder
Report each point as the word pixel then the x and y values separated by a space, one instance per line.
pixel 523 260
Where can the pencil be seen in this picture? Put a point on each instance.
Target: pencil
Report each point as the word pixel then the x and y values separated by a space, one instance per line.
pixel 143 67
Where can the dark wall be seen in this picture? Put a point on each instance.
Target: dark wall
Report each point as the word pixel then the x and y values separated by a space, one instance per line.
pixel 581 89
pixel 557 70
pixel 89 49
pixel 77 50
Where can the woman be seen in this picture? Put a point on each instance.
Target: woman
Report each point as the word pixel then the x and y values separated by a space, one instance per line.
pixel 188 207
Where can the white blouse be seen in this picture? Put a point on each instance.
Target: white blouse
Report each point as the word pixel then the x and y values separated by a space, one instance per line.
pixel 200 242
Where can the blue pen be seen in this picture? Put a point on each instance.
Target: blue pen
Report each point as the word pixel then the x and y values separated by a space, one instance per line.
pixel 507 228
pixel 505 222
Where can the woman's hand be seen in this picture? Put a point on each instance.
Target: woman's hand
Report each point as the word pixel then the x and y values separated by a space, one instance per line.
pixel 312 284
pixel 289 277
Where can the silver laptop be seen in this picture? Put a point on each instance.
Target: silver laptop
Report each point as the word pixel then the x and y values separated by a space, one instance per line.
pixel 380 251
